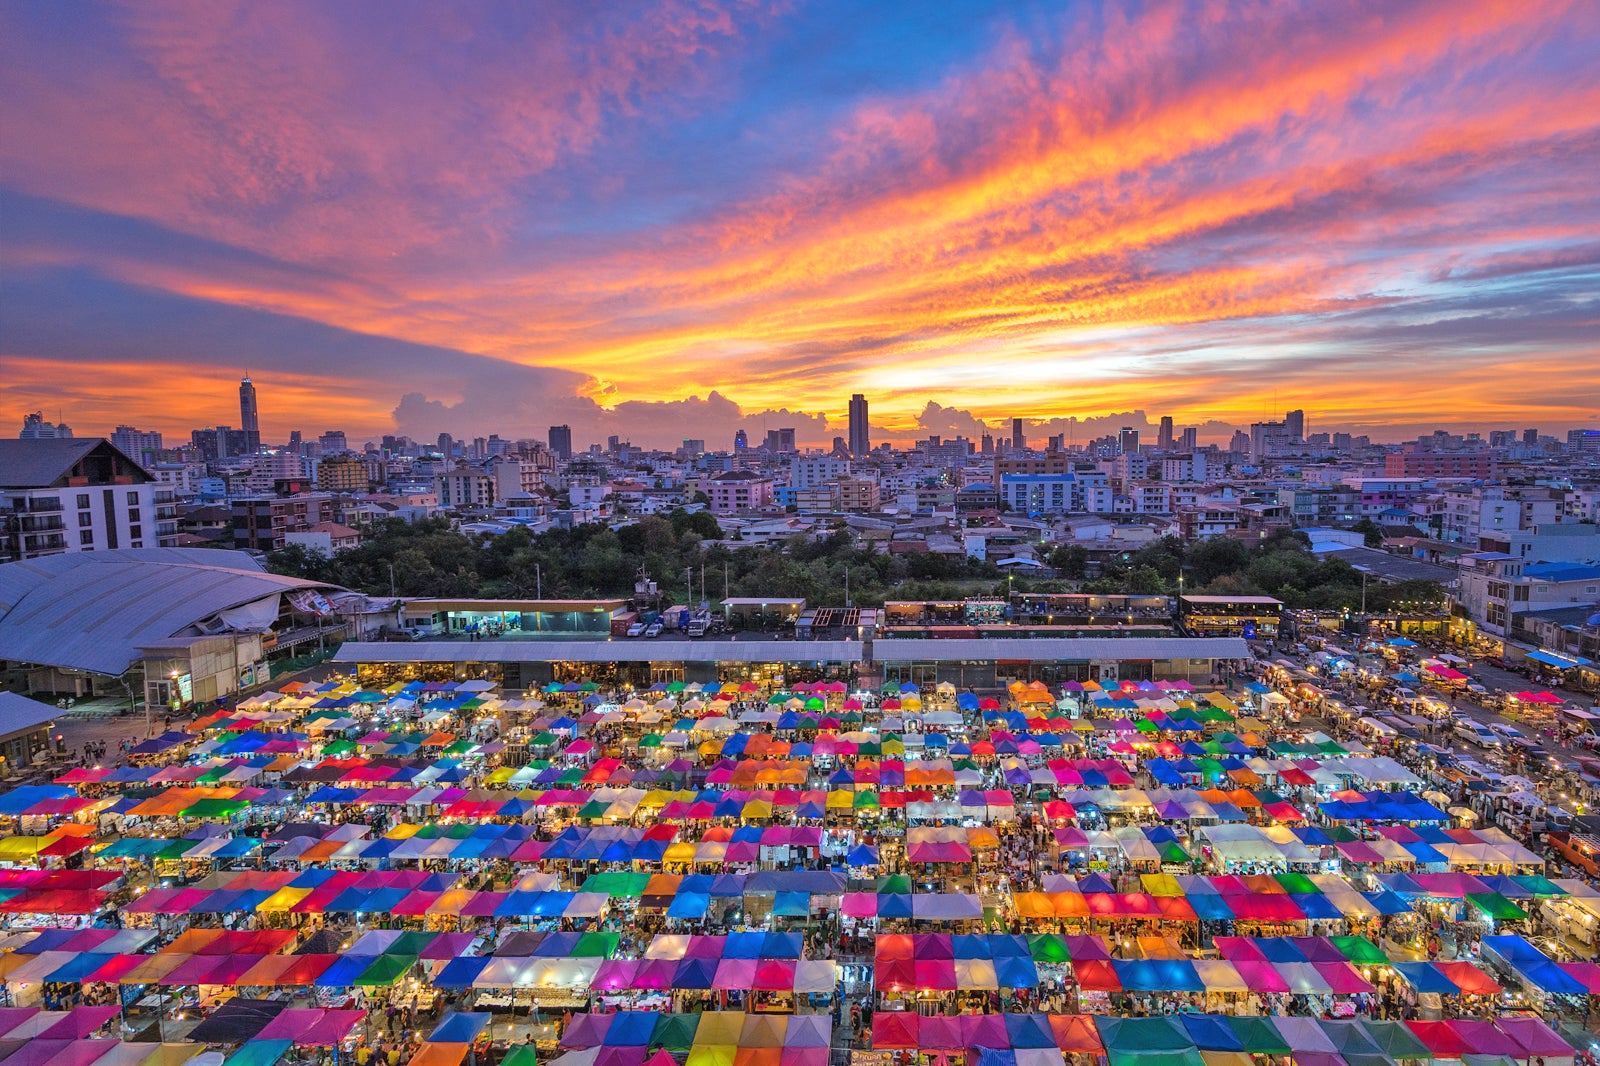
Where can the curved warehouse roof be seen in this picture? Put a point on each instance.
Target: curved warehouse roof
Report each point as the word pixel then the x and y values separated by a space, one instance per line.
pixel 93 610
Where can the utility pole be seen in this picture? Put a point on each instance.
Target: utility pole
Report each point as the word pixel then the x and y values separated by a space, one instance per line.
pixel 538 582
pixel 392 594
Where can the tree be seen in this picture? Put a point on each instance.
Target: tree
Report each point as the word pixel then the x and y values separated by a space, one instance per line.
pixel 1371 532
pixel 1069 560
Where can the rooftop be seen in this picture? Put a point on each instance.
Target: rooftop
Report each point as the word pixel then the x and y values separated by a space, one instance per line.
pixel 1562 572
pixel 93 610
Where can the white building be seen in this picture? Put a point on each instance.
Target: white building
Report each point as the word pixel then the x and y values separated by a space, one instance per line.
pixel 77 494
pixel 464 486
pixel 811 471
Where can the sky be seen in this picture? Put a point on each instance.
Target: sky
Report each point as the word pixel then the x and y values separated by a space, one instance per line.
pixel 673 218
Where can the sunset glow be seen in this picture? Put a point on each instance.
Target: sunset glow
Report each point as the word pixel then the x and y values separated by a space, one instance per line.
pixel 411 219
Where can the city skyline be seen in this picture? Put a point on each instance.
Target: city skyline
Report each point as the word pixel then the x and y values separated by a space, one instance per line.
pixel 1040 212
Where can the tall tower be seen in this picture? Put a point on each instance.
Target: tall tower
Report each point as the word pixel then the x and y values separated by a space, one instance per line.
pixel 561 441
pixel 1295 422
pixel 1019 439
pixel 1164 437
pixel 860 436
pixel 248 419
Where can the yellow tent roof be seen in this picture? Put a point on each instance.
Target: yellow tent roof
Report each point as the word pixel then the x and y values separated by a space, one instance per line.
pixel 283 899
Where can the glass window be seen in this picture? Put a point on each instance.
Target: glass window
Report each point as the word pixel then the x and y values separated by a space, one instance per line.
pixel 85 536
pixel 83 499
pixel 133 496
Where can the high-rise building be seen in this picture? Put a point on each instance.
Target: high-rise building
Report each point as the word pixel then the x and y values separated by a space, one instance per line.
pixel 137 444
pixel 779 441
pixel 1127 441
pixel 561 441
pixel 1295 423
pixel 249 419
pixel 333 442
pixel 1268 440
pixel 1583 441
pixel 1190 439
pixel 1164 435
pixel 1530 436
pixel 987 444
pixel 860 434
pixel 446 444
pixel 1019 440
pixel 34 427
pixel 741 442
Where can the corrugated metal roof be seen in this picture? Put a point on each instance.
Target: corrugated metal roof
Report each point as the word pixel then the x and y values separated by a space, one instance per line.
pixel 793 651
pixel 19 714
pixel 601 651
pixel 1059 649
pixel 93 610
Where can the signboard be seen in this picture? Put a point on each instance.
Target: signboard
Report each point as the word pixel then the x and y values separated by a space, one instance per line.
pixel 1249 631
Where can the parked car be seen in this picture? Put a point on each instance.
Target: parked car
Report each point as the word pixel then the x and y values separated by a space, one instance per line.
pixel 653 629
pixel 1475 733
pixel 1510 732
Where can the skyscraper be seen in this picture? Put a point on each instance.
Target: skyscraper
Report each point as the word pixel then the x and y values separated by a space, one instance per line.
pixel 248 418
pixel 1127 441
pixel 741 442
pixel 1295 422
pixel 1164 436
pixel 860 436
pixel 1019 441
pixel 561 441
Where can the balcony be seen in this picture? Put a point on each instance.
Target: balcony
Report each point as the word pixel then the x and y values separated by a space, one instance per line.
pixel 48 524
pixel 41 505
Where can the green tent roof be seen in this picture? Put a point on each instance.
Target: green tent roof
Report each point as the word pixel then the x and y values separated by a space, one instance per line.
pixel 1396 1040
pixel 213 808
pixel 1258 1035
pixel 1048 947
pixel 1297 884
pixel 596 946
pixel 894 885
pixel 1360 950
pixel 675 1032
pixel 386 970
pixel 1496 906
pixel 410 942
pixel 616 883
pixel 1538 884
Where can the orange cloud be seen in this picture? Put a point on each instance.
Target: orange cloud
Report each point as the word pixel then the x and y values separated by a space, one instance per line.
pixel 1193 206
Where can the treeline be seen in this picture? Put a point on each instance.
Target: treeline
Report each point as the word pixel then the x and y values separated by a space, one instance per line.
pixel 430 558
pixel 1282 567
